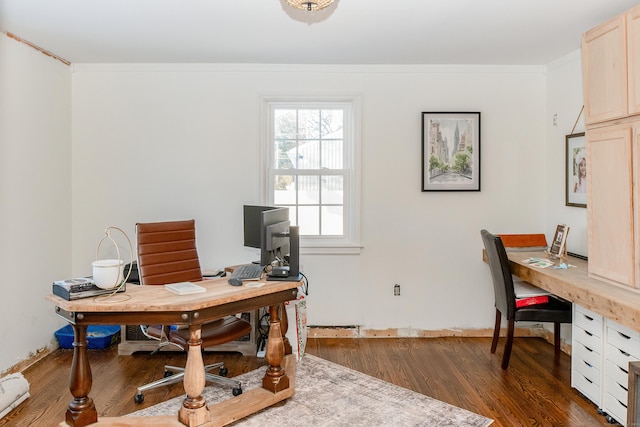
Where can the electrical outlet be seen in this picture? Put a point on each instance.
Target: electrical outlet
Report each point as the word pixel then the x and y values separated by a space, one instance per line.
pixel 396 290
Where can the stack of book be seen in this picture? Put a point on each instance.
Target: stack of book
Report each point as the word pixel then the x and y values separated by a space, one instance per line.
pixel 528 294
pixel 81 287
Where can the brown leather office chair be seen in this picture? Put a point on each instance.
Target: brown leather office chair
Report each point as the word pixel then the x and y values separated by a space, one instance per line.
pixel 556 310
pixel 167 254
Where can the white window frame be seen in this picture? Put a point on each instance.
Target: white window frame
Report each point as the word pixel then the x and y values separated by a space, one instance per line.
pixel 349 242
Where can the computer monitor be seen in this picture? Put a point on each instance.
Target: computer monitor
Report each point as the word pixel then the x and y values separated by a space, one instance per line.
pixel 267 228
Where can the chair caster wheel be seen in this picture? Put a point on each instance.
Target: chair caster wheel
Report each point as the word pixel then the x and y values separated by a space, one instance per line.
pixel 223 372
pixel 237 391
pixel 610 419
pixel 138 398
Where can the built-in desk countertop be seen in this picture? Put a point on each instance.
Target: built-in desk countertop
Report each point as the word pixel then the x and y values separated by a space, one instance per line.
pixel 574 284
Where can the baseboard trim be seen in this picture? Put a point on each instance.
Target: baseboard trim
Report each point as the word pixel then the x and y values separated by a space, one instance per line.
pixel 33 358
pixel 360 332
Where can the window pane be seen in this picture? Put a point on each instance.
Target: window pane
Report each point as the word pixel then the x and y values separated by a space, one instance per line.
pixel 332 220
pixel 308 190
pixel 332 124
pixel 309 155
pixel 332 190
pixel 285 154
pixel 332 157
pixel 285 125
pixel 309 220
pixel 284 190
pixel 308 124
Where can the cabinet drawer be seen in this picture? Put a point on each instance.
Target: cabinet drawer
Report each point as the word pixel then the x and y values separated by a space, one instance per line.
pixel 590 371
pixel 587 320
pixel 625 340
pixel 623 329
pixel 619 357
pixel 615 408
pixel 587 338
pixel 586 387
pixel 616 390
pixel 617 373
pixel 580 352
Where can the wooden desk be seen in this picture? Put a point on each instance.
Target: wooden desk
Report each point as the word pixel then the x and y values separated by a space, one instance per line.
pixel 155 305
pixel 574 284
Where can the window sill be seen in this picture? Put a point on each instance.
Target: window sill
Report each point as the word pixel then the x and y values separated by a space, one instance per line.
pixel 352 249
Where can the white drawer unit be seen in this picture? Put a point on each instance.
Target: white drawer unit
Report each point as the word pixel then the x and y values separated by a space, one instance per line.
pixel 623 346
pixel 587 353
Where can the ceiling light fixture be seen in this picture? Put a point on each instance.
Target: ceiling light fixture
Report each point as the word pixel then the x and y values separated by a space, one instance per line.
pixel 309 5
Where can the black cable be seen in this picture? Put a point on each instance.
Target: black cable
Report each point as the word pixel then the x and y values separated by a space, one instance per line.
pixel 305 284
pixel 263 330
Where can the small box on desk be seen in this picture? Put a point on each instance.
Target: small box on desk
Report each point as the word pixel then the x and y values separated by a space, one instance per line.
pixel 65 290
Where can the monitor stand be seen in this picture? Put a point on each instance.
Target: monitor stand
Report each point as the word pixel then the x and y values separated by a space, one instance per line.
pixel 285 279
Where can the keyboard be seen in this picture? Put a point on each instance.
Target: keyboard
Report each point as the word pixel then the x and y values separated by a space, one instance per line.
pixel 247 272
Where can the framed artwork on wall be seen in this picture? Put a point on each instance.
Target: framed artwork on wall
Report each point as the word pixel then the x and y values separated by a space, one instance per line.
pixel 576 170
pixel 451 151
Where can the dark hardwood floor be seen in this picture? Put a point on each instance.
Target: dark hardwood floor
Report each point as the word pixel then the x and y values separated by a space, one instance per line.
pixel 534 391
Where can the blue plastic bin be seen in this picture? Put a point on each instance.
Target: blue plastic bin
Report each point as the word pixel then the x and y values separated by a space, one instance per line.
pixel 98 336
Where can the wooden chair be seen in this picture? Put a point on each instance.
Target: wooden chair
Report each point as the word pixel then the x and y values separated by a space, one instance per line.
pixel 556 310
pixel 167 254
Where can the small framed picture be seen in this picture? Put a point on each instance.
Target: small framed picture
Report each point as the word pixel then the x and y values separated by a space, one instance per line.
pixel 451 151
pixel 558 245
pixel 576 170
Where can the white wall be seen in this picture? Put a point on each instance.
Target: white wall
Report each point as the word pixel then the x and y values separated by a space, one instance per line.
pixel 564 98
pixel 155 142
pixel 181 141
pixel 35 196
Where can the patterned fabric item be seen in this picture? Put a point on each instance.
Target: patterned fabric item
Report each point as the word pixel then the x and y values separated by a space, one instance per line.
pixel 14 389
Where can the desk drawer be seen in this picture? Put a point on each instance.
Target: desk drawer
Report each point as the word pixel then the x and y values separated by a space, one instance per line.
pixel 616 381
pixel 594 342
pixel 586 387
pixel 587 320
pixel 619 357
pixel 615 408
pixel 623 329
pixel 588 370
pixel 616 390
pixel 582 352
pixel 629 344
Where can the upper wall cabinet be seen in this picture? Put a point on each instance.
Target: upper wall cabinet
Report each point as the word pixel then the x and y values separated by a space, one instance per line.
pixel 604 71
pixel 611 68
pixel 633 58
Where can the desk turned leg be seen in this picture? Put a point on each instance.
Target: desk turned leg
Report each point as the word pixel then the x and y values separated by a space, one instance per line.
pixel 194 409
pixel 275 379
pixel 284 327
pixel 81 411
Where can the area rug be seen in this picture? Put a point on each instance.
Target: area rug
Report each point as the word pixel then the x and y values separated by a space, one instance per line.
pixel 328 394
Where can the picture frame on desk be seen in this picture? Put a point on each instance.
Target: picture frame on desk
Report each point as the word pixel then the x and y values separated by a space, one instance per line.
pixel 451 151
pixel 576 170
pixel 559 243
